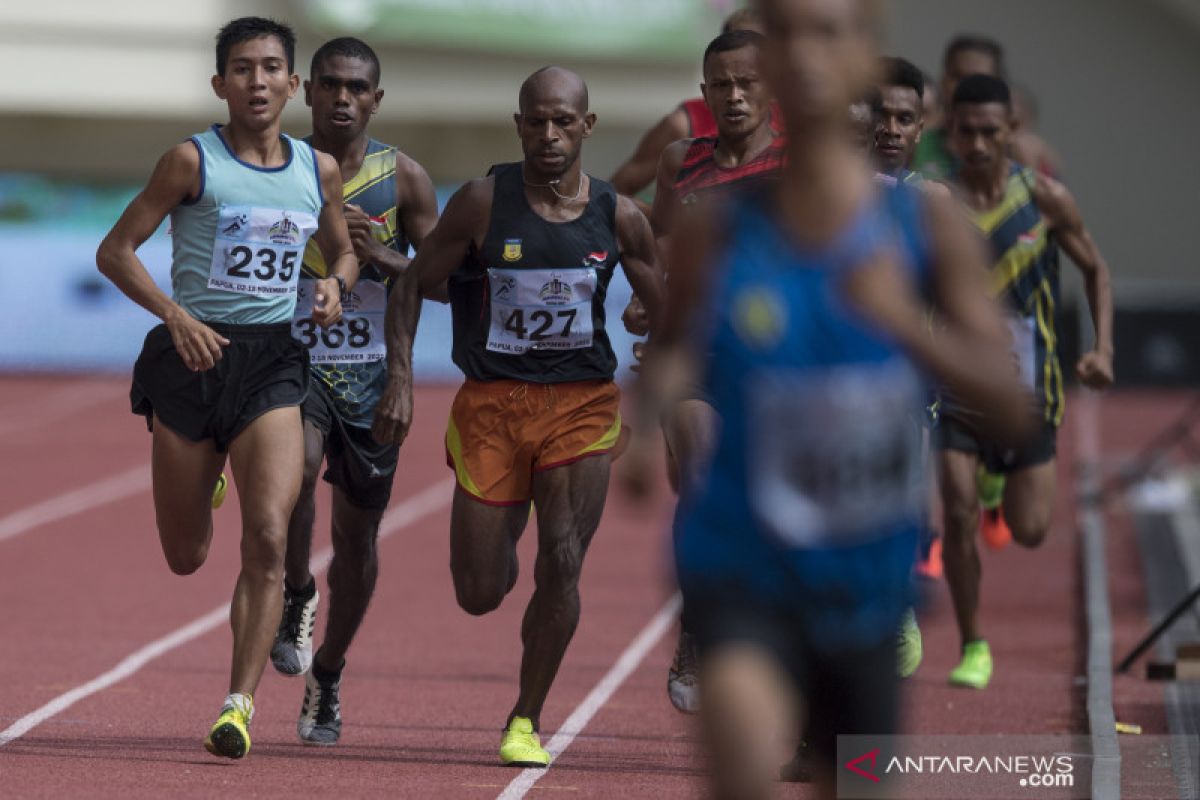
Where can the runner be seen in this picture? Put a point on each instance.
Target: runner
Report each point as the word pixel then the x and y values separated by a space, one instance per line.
pixel 977 55
pixel 794 555
pixel 899 119
pixel 222 377
pixel 390 203
pixel 744 153
pixel 690 119
pixel 1025 218
pixel 532 248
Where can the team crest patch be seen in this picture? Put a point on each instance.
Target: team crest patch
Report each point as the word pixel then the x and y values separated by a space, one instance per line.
pixel 512 249
pixel 284 231
pixel 759 317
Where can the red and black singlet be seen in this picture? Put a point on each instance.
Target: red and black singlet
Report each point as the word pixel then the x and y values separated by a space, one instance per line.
pixel 700 172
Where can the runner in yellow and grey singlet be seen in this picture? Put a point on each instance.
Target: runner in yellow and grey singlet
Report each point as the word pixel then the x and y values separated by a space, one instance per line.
pixel 1025 218
pixel 390 203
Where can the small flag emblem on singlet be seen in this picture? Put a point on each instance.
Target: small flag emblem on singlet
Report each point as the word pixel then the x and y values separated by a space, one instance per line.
pixel 512 249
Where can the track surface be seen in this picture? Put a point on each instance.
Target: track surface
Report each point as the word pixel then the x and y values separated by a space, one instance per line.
pixel 427 687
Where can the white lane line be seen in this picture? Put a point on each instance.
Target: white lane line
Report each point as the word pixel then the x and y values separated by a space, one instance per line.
pixel 426 502
pixel 109 490
pixel 629 660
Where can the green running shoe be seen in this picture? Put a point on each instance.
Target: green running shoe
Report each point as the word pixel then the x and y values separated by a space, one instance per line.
pixel 975 669
pixel 908 645
pixel 521 747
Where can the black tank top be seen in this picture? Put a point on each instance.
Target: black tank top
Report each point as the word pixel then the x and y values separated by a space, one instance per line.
pixel 529 304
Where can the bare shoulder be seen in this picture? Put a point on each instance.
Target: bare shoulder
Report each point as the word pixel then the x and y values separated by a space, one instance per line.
pixel 1053 198
pixel 628 216
pixel 674 154
pixel 936 190
pixel 408 170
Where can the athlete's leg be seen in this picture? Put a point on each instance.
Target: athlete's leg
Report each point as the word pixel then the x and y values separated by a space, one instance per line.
pixel 184 473
pixel 300 526
pixel 268 466
pixel 352 575
pixel 483 551
pixel 691 432
pixel 960 518
pixel 746 704
pixel 569 500
pixel 1029 502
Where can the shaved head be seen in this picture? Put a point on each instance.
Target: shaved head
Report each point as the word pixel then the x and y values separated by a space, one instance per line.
pixel 554 85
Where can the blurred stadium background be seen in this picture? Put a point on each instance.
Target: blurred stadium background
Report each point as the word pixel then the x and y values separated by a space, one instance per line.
pixel 94 92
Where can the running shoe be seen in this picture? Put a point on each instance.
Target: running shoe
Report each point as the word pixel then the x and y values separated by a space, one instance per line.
pixel 230 735
pixel 994 529
pixel 908 645
pixel 521 747
pixel 321 715
pixel 930 567
pixel 218 496
pixel 683 679
pixel 989 486
pixel 975 669
pixel 292 651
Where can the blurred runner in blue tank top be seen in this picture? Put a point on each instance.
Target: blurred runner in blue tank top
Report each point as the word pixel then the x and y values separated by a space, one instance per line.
pixel 801 313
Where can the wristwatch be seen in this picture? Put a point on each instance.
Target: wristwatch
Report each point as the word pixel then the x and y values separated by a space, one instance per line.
pixel 341 284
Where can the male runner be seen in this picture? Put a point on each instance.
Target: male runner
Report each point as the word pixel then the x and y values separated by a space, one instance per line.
pixel 744 153
pixel 1025 218
pixel 532 248
pixel 390 203
pixel 794 555
pixel 976 55
pixel 690 119
pixel 899 119
pixel 222 377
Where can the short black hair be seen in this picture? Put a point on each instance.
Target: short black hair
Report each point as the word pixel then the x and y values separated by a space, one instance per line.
pixel 900 72
pixel 245 29
pixel 733 40
pixel 974 43
pixel 347 47
pixel 980 89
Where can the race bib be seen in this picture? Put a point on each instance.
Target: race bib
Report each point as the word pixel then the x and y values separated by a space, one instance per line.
pixel 541 309
pixel 356 338
pixel 1023 350
pixel 835 459
pixel 258 251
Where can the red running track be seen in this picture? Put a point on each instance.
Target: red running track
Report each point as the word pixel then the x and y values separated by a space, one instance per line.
pixel 427 687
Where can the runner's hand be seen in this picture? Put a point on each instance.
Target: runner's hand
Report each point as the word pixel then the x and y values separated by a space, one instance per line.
pixel 1095 370
pixel 639 355
pixel 366 246
pixel 327 302
pixel 393 415
pixel 197 344
pixel 636 320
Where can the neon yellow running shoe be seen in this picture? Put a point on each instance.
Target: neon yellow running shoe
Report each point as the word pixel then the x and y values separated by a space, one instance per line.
pixel 990 488
pixel 908 645
pixel 219 491
pixel 230 735
pixel 521 747
pixel 975 669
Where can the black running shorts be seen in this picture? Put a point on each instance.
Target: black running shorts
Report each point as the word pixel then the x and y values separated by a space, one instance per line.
pixel 262 368
pixel 357 464
pixel 847 692
pixel 952 433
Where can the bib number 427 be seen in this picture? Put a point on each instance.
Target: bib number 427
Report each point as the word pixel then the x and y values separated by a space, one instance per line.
pixel 545 322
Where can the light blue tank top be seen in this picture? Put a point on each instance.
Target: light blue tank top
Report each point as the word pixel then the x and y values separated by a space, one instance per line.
pixel 238 247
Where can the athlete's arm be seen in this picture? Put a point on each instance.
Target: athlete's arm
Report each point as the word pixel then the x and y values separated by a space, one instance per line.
pixel 637 173
pixel 666 203
pixel 639 258
pixel 333 239
pixel 1095 369
pixel 460 228
pixel 971 349
pixel 417 206
pixel 176 178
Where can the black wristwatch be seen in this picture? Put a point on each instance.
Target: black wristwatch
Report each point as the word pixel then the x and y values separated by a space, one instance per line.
pixel 341 284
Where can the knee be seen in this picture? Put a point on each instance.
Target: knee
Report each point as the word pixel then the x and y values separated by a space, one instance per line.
pixel 1028 530
pixel 186 560
pixel 185 550
pixel 477 598
pixel 559 565
pixel 264 545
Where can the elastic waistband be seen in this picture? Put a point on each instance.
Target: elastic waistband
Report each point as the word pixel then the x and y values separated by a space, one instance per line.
pixel 505 385
pixel 252 331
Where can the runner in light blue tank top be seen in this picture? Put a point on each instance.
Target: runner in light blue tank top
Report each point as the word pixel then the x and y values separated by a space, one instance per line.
pixel 222 377
pixel 237 248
